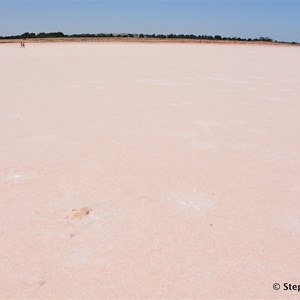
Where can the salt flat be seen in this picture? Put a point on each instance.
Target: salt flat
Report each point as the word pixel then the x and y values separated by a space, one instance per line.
pixel 149 171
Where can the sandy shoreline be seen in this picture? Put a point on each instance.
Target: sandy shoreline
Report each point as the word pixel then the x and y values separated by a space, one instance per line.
pixel 137 170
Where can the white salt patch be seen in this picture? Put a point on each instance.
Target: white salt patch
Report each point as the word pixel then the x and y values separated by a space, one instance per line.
pixel 246 103
pixel 99 82
pixel 18 175
pixel 179 103
pixel 274 99
pixel 284 89
pixel 42 138
pixel 242 146
pixel 77 258
pixel 154 81
pixel 182 134
pixel 290 221
pixel 206 125
pixel 241 81
pixel 92 167
pixel 283 156
pixel 174 103
pixel 237 122
pixel 74 86
pixel 13 116
pixel 14 177
pixel 295 223
pixel 190 200
pixel 214 78
pixel 259 131
pixel 204 146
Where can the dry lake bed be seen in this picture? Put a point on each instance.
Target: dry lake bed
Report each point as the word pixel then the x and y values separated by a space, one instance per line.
pixel 149 171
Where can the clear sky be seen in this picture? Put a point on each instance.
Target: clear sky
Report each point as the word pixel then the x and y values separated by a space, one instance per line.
pixel 278 19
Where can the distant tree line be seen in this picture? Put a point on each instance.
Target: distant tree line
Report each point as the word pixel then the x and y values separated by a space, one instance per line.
pixel 32 35
pixel 40 35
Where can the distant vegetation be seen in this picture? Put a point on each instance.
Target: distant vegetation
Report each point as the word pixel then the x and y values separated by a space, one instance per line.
pixel 149 36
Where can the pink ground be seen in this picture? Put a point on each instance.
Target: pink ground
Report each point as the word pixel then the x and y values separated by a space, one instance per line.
pixel 183 162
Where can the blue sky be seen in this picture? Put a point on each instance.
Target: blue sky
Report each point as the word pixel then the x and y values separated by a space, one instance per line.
pixel 278 19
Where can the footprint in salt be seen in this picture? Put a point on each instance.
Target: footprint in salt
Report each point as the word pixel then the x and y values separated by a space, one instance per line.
pixel 78 218
pixel 78 214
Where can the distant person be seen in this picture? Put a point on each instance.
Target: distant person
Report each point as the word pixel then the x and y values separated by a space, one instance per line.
pixel 21 44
